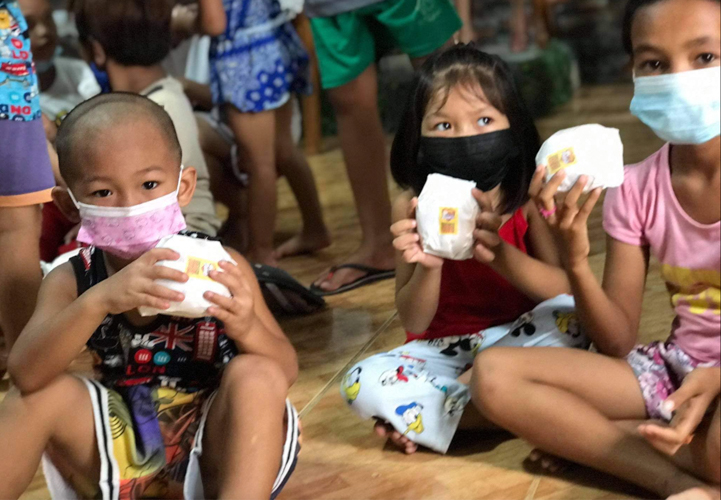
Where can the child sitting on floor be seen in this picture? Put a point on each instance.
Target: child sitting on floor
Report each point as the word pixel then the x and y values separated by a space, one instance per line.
pixel 467 120
pixel 181 407
pixel 585 407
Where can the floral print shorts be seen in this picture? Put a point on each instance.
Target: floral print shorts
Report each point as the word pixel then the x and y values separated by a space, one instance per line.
pixel 661 368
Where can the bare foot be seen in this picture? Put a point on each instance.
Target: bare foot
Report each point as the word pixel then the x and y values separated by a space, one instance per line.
pixel 384 429
pixel 707 493
pixel 382 258
pixel 547 462
pixel 264 257
pixel 303 244
pixel 467 34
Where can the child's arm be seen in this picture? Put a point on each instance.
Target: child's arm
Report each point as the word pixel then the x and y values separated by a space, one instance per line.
pixel 418 275
pixel 212 20
pixel 247 319
pixel 541 277
pixel 63 322
pixel 199 95
pixel 610 314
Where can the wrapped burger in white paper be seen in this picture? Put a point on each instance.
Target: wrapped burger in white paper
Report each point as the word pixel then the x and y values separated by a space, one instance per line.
pixel 197 258
pixel 446 216
pixel 591 150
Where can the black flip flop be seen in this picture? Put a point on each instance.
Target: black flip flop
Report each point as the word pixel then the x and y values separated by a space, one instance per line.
pixel 372 276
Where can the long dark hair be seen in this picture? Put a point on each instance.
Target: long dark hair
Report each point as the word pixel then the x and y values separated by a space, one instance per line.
pixel 632 8
pixel 469 66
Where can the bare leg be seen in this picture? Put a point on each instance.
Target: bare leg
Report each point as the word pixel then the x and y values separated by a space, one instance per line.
pixel 703 454
pixel 58 417
pixel 364 150
pixel 574 398
pixel 244 435
pixel 540 22
pixel 225 187
pixel 519 26
pixel 465 12
pixel 20 273
pixel 255 135
pixel 293 165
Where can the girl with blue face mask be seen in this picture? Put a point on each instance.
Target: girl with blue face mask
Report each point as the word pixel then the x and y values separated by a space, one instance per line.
pixel 579 405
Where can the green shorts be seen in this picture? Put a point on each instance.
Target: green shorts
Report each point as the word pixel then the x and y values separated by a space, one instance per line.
pixel 346 43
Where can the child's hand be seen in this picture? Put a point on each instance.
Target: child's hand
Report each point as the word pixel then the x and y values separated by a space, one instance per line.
pixel 690 403
pixel 408 241
pixel 488 223
pixel 568 221
pixel 238 311
pixel 135 285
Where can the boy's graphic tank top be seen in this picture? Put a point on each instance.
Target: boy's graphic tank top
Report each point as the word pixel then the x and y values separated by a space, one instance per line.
pixel 181 353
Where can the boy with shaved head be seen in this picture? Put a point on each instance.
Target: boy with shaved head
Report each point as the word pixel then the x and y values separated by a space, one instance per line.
pixel 192 408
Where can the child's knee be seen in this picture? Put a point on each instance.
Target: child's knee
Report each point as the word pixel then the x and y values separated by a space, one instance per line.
pixel 490 379
pixel 253 371
pixel 52 403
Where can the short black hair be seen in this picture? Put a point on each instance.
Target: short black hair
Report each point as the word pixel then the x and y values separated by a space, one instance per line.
pixel 132 32
pixel 102 112
pixel 465 64
pixel 632 8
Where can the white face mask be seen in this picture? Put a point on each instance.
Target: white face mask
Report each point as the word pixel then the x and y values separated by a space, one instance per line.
pixel 681 108
pixel 129 232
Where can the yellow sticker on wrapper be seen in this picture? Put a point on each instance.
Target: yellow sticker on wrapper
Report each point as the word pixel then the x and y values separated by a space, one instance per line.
pixel 200 268
pixel 449 221
pixel 561 160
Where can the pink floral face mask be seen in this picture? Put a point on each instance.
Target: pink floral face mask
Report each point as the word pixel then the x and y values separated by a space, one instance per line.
pixel 129 232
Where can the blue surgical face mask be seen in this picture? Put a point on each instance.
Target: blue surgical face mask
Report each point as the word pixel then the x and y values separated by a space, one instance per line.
pixel 681 108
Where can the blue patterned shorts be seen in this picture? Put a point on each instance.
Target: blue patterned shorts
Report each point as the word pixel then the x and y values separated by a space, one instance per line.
pixel 260 61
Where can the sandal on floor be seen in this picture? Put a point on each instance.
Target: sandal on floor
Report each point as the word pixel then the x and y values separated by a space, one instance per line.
pixel 372 276
pixel 284 295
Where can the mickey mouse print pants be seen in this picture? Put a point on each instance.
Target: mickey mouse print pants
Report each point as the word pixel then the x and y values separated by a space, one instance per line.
pixel 415 386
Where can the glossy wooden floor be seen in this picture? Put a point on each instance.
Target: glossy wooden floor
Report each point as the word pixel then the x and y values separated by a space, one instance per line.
pixel 341 458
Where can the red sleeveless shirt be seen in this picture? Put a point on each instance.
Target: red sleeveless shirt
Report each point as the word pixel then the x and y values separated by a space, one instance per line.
pixel 474 297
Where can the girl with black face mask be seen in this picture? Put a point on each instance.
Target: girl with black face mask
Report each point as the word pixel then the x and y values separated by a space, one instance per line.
pixel 467 120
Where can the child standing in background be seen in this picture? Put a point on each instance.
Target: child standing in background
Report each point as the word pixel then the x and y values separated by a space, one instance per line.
pixel 26 176
pixel 257 63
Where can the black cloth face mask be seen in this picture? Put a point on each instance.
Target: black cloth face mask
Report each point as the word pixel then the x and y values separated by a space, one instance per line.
pixel 484 159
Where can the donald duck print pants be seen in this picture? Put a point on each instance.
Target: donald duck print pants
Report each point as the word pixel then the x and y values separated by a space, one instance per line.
pixel 415 387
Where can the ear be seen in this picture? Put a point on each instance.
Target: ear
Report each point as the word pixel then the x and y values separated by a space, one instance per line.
pixel 188 181
pixel 62 200
pixel 98 55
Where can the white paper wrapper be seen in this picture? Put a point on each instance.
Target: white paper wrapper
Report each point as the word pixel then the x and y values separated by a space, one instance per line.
pixel 592 150
pixel 197 258
pixel 446 215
